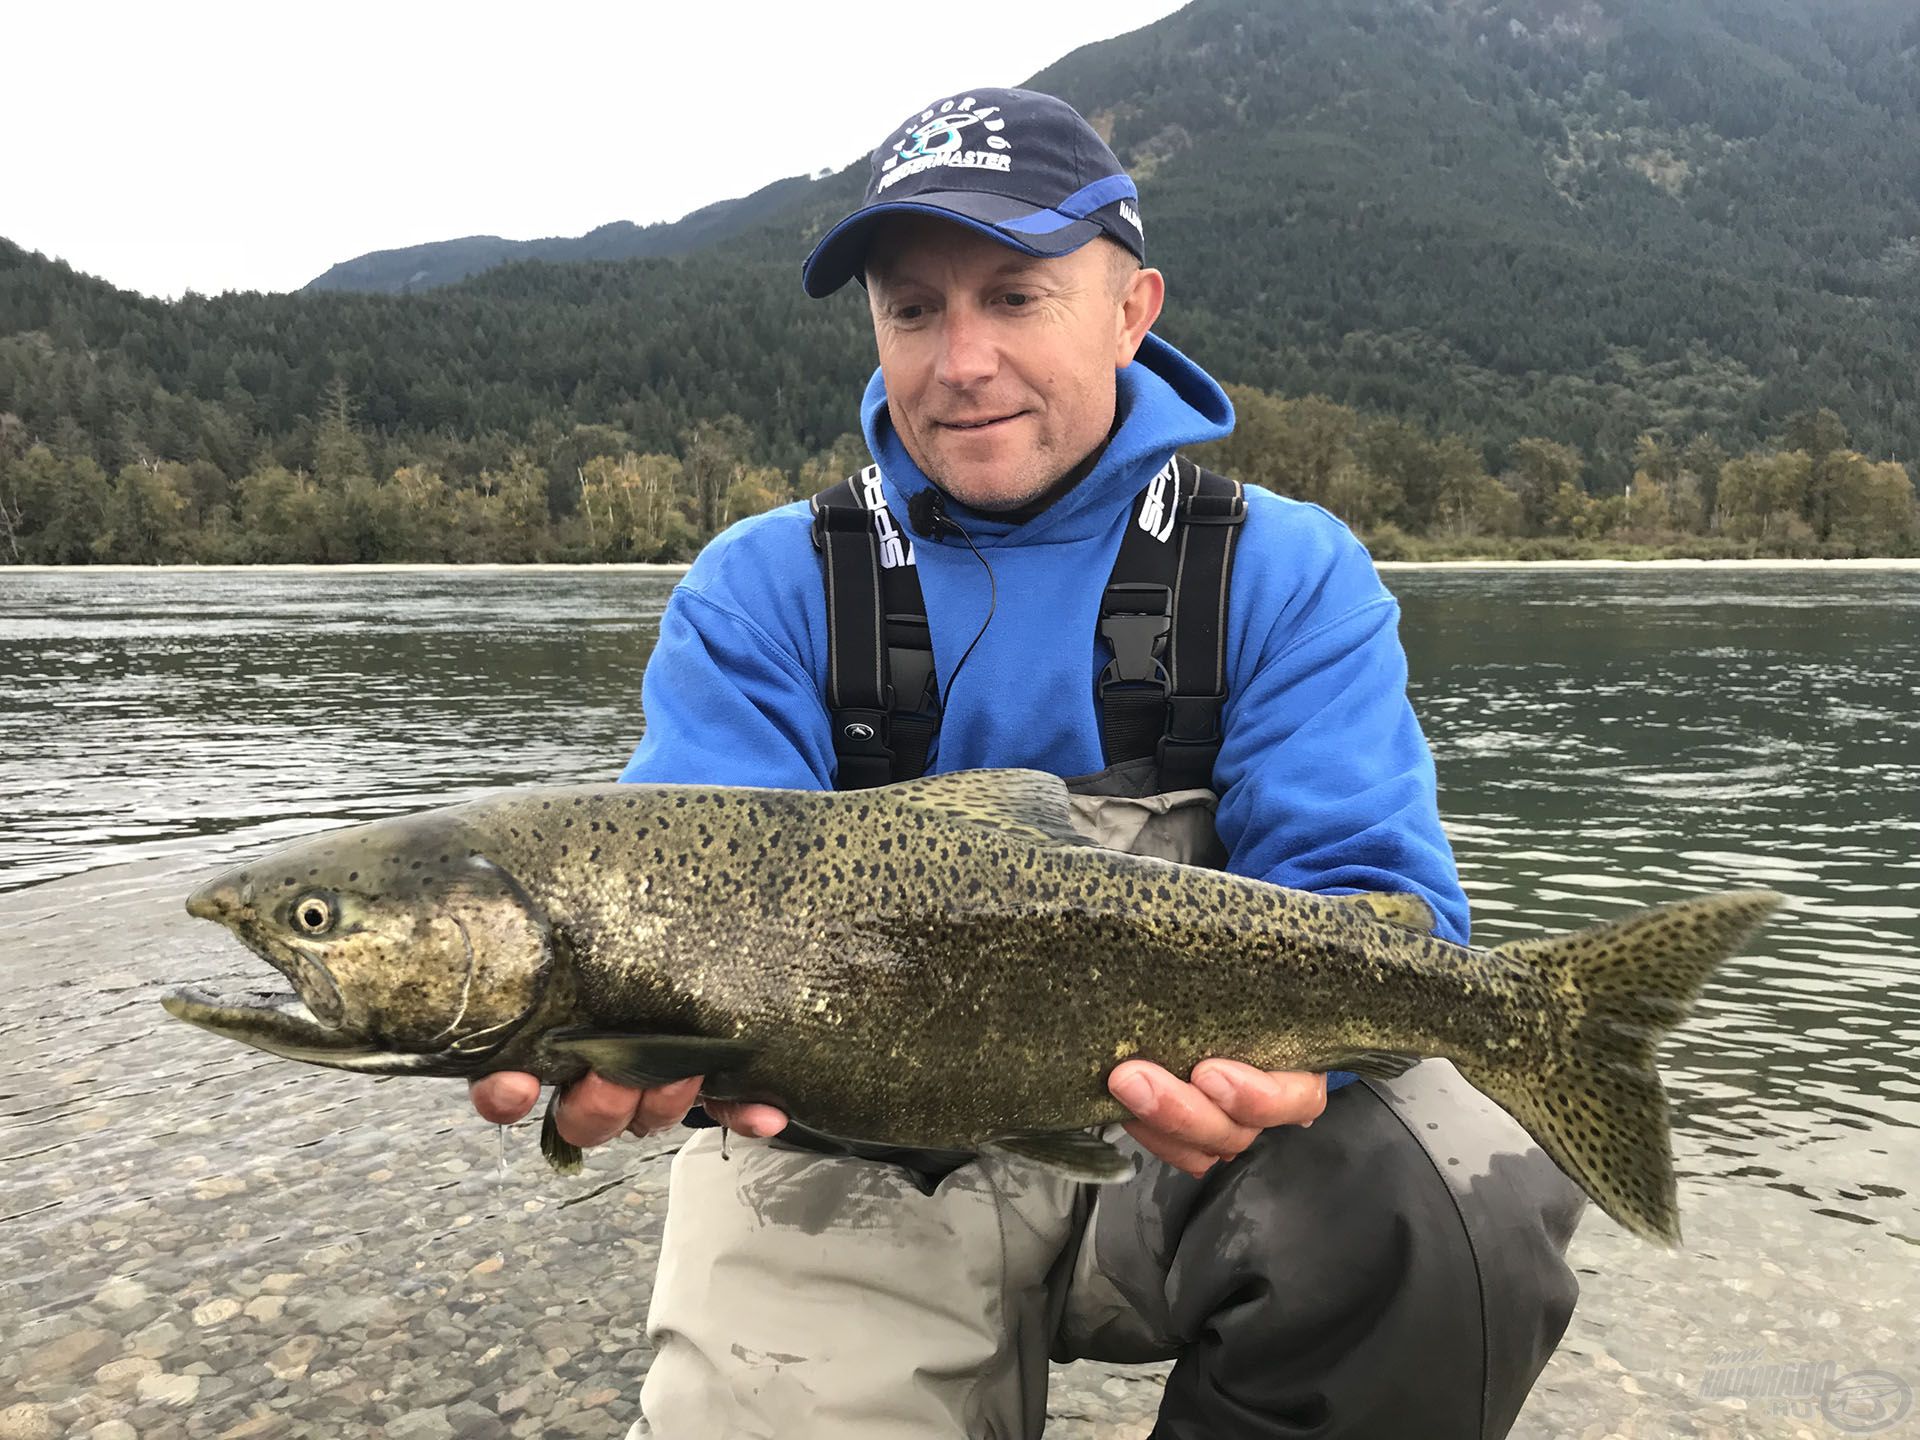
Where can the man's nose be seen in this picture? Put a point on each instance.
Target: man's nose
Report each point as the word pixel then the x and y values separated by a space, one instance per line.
pixel 969 354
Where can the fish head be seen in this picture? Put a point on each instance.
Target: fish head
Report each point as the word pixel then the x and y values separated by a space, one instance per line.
pixel 407 950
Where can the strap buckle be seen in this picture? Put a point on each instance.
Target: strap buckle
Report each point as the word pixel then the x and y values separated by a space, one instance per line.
pixel 1135 619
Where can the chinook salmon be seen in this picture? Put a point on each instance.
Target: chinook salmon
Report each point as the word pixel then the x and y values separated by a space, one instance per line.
pixel 944 964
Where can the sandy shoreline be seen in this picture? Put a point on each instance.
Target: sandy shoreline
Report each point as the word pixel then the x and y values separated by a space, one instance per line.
pixel 652 569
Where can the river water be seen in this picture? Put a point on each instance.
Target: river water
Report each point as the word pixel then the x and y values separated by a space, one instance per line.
pixel 200 1240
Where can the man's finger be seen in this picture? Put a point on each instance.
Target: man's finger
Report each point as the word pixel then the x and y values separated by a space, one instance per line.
pixel 1163 1146
pixel 505 1096
pixel 759 1121
pixel 1178 1110
pixel 665 1106
pixel 1262 1098
pixel 592 1110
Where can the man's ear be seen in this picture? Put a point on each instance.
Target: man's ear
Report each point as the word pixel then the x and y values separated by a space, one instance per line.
pixel 1139 307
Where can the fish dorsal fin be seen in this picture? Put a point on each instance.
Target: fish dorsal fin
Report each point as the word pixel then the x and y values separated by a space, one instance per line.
pixel 1029 804
pixel 1394 907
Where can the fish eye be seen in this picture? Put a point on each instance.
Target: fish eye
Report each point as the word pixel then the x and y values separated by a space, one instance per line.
pixel 312 915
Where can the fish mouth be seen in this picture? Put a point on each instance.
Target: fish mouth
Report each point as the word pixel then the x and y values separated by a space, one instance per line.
pixel 306 1024
pixel 281 1024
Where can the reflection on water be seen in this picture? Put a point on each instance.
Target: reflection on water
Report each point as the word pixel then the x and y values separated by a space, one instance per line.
pixel 1613 738
pixel 1604 740
pixel 143 709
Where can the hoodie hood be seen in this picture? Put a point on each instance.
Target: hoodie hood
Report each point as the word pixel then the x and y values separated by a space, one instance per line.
pixel 1165 402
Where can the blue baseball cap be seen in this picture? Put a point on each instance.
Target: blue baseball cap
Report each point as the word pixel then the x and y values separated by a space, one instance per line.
pixel 1020 167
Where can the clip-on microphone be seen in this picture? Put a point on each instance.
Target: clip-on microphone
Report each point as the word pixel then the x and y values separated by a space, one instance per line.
pixel 927 514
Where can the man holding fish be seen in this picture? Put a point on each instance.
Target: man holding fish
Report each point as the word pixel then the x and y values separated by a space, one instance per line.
pixel 1394 1270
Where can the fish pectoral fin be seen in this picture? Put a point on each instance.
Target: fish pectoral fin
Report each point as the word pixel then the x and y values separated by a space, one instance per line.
pixel 562 1154
pixel 1374 1064
pixel 645 1060
pixel 1395 908
pixel 1073 1154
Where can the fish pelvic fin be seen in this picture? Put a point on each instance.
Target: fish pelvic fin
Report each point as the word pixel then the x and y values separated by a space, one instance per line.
pixel 562 1154
pixel 1601 1111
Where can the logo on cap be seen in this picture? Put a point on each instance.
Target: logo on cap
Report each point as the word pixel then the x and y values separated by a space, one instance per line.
pixel 934 138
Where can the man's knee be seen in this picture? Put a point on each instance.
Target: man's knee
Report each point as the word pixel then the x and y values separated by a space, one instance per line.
pixel 1346 1280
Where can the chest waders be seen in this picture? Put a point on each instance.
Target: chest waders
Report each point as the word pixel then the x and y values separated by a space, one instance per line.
pixel 1394 1271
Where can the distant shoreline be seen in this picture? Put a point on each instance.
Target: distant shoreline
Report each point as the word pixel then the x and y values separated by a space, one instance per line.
pixel 652 569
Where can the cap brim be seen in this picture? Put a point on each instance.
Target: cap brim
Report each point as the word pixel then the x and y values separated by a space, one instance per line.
pixel 1017 224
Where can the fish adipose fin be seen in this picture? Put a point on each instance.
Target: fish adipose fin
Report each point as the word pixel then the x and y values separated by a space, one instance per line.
pixel 1079 1155
pixel 644 1060
pixel 1028 804
pixel 1598 1108
pixel 1395 909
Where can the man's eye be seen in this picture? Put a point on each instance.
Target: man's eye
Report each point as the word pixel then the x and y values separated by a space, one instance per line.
pixel 909 312
pixel 1016 298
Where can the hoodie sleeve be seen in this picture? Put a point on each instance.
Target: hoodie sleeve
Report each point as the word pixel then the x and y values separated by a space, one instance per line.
pixel 1326 781
pixel 727 702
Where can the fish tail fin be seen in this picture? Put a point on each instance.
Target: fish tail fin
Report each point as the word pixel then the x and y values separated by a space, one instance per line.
pixel 1599 1108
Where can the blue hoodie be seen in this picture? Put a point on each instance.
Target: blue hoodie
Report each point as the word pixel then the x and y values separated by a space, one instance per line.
pixel 1324 776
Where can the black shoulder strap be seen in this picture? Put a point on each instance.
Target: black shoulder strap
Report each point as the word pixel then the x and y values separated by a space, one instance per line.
pixel 881 690
pixel 1164 613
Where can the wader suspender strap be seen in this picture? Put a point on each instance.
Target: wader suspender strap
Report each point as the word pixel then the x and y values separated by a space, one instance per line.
pixel 1164 613
pixel 880 683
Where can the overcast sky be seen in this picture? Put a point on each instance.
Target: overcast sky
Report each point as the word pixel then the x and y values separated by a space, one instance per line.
pixel 194 145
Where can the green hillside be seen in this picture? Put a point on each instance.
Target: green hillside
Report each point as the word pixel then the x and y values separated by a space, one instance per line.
pixel 1605 225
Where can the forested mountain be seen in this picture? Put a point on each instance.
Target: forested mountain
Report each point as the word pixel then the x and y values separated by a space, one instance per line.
pixel 444 262
pixel 1630 230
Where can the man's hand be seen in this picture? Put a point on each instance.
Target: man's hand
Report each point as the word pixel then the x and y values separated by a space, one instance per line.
pixel 1194 1126
pixel 593 1111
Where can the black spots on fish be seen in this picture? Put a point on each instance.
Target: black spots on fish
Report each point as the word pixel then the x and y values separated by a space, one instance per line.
pixel 819 842
pixel 578 802
pixel 841 840
pixel 963 849
pixel 1162 892
pixel 312 873
pixel 886 845
pixel 563 849
pixel 679 802
pixel 351 875
pixel 919 869
pixel 289 881
pixel 413 865
pixel 567 824
pixel 546 804
pixel 659 855
pixel 632 803
pixel 513 831
pixel 733 846
pixel 594 856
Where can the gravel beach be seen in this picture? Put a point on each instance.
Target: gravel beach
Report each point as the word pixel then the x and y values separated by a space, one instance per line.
pixel 198 1240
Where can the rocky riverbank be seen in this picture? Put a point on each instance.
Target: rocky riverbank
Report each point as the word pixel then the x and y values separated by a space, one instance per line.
pixel 200 1241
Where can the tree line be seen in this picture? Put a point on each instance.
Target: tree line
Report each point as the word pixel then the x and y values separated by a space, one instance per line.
pixel 591 495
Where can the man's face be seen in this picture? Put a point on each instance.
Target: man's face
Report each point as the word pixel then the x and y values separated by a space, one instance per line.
pixel 1000 366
